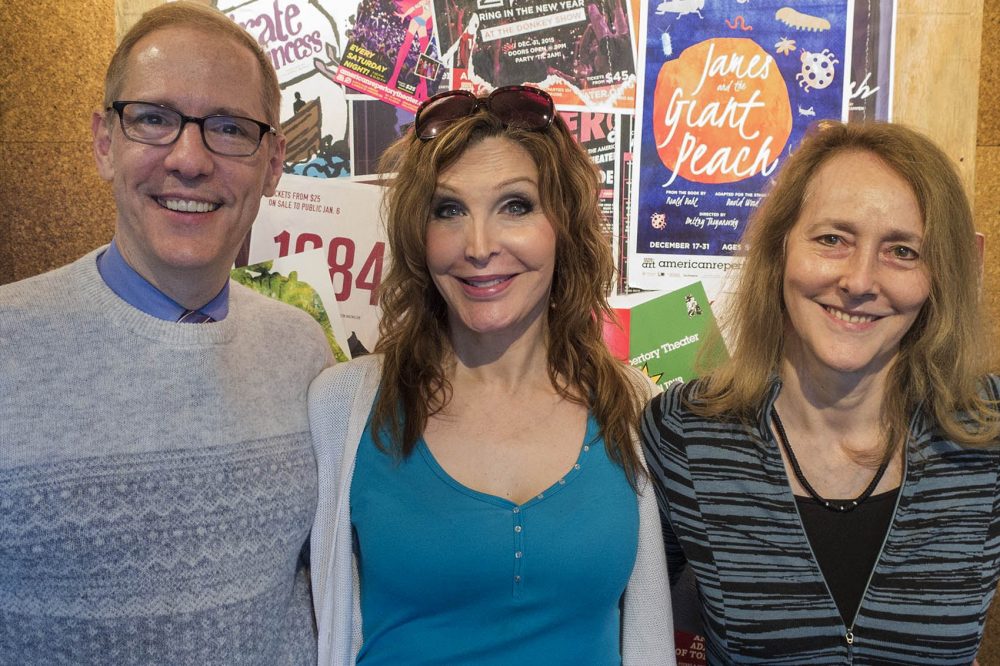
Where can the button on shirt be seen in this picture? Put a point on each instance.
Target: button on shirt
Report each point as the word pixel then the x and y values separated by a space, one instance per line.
pixel 138 292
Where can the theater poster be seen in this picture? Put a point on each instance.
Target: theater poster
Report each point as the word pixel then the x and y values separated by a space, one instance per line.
pixel 580 51
pixel 305 40
pixel 727 89
pixel 391 52
pixel 332 130
pixel 340 219
pixel 873 49
pixel 599 134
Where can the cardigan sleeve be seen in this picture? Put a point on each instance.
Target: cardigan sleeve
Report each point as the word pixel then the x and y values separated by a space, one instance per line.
pixel 647 621
pixel 339 403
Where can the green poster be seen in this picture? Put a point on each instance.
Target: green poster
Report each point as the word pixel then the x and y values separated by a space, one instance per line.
pixel 667 335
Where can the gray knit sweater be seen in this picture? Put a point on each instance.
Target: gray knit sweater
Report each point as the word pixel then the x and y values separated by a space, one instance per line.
pixel 157 480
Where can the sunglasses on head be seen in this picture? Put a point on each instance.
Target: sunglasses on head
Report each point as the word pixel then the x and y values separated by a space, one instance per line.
pixel 515 106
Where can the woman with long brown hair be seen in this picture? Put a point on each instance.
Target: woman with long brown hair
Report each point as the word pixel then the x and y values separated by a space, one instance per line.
pixel 834 486
pixel 482 495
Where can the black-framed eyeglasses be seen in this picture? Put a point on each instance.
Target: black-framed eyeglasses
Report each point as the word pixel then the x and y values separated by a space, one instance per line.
pixel 525 107
pixel 161 125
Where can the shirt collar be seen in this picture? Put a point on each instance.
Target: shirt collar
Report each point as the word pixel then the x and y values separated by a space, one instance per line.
pixel 138 292
pixel 918 421
pixel 764 415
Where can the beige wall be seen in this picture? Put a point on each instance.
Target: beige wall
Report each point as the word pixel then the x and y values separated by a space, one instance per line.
pixel 53 207
pixel 936 94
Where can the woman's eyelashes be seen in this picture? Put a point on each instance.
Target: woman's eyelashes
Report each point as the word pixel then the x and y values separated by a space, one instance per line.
pixel 516 205
pixel 904 253
pixel 446 208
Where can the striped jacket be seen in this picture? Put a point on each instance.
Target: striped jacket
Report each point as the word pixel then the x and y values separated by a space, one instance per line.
pixel 728 511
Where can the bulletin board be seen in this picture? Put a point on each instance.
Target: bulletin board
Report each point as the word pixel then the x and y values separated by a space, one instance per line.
pixel 353 72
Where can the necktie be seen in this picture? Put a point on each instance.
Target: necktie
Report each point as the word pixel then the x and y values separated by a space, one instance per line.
pixel 193 317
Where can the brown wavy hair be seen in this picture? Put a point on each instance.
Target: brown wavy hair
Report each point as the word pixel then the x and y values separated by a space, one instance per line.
pixel 414 331
pixel 941 357
pixel 195 16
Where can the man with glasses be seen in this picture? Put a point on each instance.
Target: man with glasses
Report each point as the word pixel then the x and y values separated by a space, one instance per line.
pixel 157 480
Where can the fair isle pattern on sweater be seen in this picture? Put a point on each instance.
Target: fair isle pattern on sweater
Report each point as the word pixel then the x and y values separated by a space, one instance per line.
pixel 130 559
pixel 729 513
pixel 157 480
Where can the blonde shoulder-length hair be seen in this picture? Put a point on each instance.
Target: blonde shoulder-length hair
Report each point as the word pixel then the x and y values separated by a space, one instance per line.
pixel 941 360
pixel 414 333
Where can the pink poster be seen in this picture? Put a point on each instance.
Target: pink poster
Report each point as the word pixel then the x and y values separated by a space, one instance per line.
pixel 391 54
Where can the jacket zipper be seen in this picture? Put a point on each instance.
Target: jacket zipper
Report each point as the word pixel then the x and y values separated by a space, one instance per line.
pixel 849 630
pixel 849 635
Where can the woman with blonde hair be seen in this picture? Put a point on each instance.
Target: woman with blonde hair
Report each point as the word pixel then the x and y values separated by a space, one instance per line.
pixel 834 485
pixel 483 497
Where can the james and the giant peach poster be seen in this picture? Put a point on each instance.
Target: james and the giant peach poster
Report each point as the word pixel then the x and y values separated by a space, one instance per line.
pixel 727 90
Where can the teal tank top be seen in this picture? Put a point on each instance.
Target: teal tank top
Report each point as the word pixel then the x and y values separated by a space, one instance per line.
pixel 450 575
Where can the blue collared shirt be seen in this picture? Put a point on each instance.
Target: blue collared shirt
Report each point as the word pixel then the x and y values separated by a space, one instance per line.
pixel 138 292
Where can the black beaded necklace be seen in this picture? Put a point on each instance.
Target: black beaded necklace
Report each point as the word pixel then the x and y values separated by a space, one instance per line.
pixel 840 507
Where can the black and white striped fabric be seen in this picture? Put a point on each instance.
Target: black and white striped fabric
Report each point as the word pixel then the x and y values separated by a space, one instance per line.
pixel 730 514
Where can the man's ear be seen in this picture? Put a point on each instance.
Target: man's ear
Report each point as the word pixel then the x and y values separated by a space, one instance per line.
pixel 275 165
pixel 101 129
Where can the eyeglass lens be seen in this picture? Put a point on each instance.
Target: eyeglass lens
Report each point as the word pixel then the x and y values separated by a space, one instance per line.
pixel 516 105
pixel 158 125
pixel 521 107
pixel 437 114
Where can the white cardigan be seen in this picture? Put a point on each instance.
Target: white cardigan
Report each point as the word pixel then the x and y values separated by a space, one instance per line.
pixel 340 401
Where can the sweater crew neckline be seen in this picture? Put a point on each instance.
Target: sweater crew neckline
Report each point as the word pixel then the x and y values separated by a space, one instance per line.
pixel 84 277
